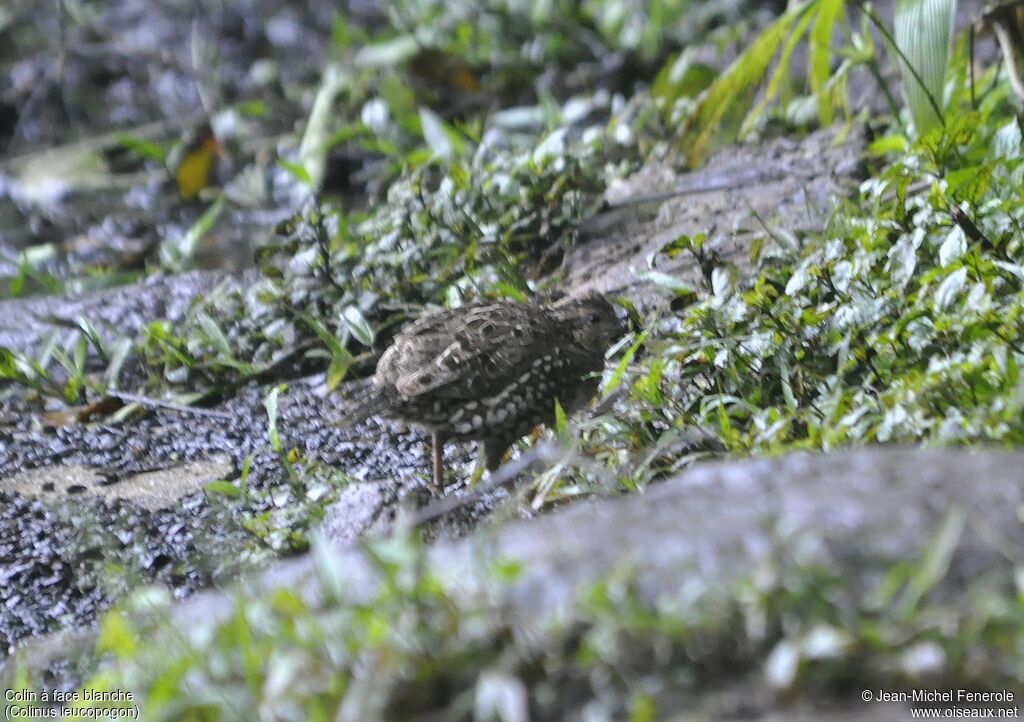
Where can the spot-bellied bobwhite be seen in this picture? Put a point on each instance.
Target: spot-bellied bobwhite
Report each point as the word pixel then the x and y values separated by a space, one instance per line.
pixel 491 371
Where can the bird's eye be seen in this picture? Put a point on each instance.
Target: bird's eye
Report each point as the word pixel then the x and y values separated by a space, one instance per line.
pixel 594 318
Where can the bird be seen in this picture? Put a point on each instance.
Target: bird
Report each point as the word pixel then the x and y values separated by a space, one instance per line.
pixel 491 371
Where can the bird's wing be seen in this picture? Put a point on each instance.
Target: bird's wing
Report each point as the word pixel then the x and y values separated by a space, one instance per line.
pixel 414 347
pixel 491 344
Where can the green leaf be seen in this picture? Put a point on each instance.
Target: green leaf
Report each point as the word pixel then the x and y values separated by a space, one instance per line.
pixel 781 73
pixel 244 477
pixel 253 108
pixel 223 488
pixel 680 244
pixel 341 358
pixel 953 247
pixel 81 352
pixel 440 138
pixel 216 337
pixel 787 386
pixel 632 312
pixel 336 372
pixel 923 31
pixel 297 170
pixel 357 324
pixel 177 254
pixel 801 275
pixel 935 562
pixel 889 144
pixel 552 146
pixel 722 281
pixel 401 102
pixel 903 260
pixel 950 288
pixel 1014 269
pixel 117 636
pixel 682 77
pixel 561 421
pixel 620 371
pixel 387 54
pixel 673 284
pixel 508 290
pixel 1007 142
pixel 315 145
pixel 341 35
pixel 8 367
pixel 94 336
pixel 122 347
pixel 270 404
pixel 735 84
pixel 820 55
pixel 47 176
pixel 142 147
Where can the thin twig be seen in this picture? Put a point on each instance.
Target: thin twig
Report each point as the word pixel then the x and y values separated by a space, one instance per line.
pixel 147 401
pixel 972 231
pixel 746 182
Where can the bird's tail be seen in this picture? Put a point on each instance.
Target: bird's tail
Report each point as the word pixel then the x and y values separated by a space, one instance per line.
pixel 371 400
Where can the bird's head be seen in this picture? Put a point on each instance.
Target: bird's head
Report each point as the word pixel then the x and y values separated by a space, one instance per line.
pixel 595 324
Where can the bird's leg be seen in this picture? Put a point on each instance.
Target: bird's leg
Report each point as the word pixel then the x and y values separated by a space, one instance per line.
pixel 494 451
pixel 438 467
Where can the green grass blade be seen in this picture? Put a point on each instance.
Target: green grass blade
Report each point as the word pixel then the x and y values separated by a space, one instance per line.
pixel 735 84
pixel 820 51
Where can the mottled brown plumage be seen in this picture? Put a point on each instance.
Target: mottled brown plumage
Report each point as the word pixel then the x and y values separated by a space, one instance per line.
pixel 491 372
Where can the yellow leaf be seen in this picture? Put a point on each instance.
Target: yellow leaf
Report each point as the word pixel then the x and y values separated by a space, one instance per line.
pixel 196 166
